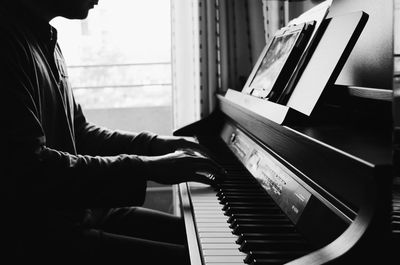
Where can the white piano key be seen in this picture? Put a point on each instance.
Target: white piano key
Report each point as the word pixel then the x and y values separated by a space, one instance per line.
pixel 203 193
pixel 217 208
pixel 207 203
pixel 205 207
pixel 223 259
pixel 213 229
pixel 211 224
pixel 198 185
pixel 204 211
pixel 223 252
pixel 210 216
pixel 202 196
pixel 220 235
pixel 205 200
pixel 216 218
pixel 223 263
pixel 217 240
pixel 219 246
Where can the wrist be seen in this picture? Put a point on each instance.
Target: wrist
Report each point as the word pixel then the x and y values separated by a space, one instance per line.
pixel 145 167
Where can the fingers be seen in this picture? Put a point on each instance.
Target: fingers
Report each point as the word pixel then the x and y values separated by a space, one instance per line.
pixel 205 170
pixel 206 178
pixel 211 166
pixel 182 166
pixel 195 147
pixel 205 163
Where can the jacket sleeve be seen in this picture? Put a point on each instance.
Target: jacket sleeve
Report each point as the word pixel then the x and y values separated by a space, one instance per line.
pixel 96 140
pixel 34 174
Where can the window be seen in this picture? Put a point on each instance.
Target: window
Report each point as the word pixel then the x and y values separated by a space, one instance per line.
pixel 120 57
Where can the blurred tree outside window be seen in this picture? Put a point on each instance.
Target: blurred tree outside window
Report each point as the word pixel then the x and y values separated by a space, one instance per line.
pixel 120 56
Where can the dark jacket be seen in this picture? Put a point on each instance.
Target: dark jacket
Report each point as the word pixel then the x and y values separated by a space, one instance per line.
pixel 55 166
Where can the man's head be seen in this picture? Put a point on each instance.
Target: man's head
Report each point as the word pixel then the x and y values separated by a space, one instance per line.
pixel 72 9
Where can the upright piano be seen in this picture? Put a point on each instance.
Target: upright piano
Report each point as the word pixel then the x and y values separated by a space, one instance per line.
pixel 312 192
pixel 304 190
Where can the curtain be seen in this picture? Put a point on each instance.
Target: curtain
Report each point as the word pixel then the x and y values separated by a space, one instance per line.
pixel 185 58
pixel 233 34
pixel 215 44
pixel 276 15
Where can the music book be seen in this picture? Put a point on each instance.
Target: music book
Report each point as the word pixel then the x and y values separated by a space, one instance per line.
pixel 323 61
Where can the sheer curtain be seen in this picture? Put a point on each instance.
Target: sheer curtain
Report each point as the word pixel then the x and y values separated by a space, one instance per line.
pixel 276 15
pixel 185 57
pixel 215 44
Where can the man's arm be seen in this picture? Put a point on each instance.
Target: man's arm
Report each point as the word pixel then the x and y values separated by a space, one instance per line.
pixel 95 140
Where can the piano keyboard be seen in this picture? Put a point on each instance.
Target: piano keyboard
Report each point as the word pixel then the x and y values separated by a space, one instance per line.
pixel 239 223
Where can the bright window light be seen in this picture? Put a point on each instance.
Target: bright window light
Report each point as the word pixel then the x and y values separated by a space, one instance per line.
pixel 120 56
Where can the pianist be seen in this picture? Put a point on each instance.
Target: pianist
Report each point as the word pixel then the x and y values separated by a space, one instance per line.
pixel 73 190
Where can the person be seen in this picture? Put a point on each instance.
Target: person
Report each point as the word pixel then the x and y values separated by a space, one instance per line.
pixel 72 190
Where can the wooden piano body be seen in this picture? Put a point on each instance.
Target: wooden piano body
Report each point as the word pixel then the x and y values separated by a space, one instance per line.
pixel 323 182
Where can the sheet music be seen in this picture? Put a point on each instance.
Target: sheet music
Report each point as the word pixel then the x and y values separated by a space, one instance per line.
pixel 317 13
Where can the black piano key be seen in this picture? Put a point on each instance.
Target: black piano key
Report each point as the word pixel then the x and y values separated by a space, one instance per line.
pixel 255 216
pixel 236 192
pixel 268 236
pixel 271 261
pixel 236 182
pixel 243 193
pixel 257 256
pixel 245 198
pixel 239 180
pixel 237 222
pixel 253 209
pixel 251 193
pixel 247 189
pixel 241 186
pixel 248 204
pixel 263 228
pixel 270 213
pixel 287 245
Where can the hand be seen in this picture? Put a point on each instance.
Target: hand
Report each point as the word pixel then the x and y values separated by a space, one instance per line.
pixel 182 166
pixel 162 145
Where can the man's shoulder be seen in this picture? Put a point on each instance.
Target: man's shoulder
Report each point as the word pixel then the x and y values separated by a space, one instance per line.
pixel 12 38
pixel 9 30
pixel 7 20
